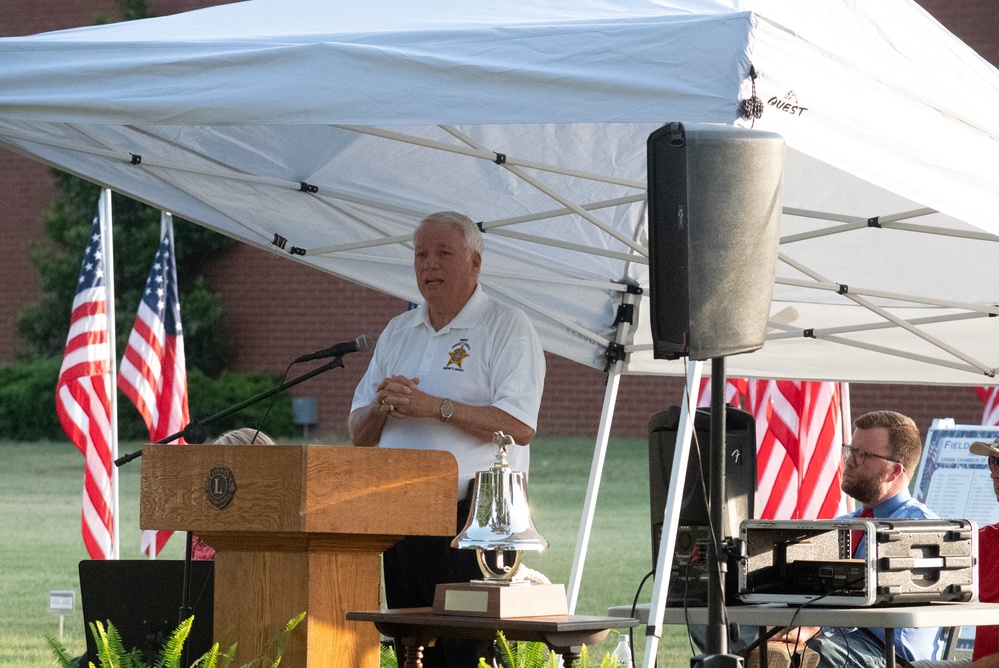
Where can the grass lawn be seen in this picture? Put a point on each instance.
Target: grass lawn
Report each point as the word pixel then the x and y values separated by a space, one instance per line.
pixel 40 545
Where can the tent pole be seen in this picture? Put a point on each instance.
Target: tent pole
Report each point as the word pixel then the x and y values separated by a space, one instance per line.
pixel 667 542
pixel 625 320
pixel 592 487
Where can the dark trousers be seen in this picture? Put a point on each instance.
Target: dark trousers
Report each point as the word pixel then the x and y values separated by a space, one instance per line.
pixel 413 568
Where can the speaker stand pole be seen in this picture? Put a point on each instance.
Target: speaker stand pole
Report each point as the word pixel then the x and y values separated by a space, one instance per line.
pixel 716 639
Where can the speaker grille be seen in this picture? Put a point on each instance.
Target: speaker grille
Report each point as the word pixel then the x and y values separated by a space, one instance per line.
pixel 714 225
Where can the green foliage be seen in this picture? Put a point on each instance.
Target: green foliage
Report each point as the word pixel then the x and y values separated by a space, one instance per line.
pixel 61 654
pixel 27 403
pixel 111 652
pixel 524 654
pixel 209 396
pixel 27 399
pixel 281 640
pixel 386 657
pixel 537 655
pixel 136 230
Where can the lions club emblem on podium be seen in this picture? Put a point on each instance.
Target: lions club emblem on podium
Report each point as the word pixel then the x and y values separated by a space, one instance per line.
pixel 220 486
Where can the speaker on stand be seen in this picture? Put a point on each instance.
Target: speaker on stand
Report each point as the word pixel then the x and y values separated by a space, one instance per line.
pixel 714 196
pixel 689 576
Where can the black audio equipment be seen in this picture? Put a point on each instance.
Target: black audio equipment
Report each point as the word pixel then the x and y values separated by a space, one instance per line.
pixel 905 561
pixel 714 197
pixel 689 568
pixel 142 598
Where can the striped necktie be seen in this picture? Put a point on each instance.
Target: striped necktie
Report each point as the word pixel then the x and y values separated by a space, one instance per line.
pixel 857 534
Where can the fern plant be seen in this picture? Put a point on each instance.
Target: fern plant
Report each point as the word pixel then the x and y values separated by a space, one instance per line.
pixel 386 657
pixel 537 655
pixel 111 652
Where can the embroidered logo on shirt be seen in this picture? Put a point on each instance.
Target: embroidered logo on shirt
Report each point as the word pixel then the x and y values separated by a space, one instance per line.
pixel 459 353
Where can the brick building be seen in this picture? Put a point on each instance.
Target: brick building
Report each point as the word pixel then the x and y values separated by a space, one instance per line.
pixel 277 309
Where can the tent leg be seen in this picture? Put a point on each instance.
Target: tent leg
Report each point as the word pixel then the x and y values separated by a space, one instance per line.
pixel 592 487
pixel 667 542
pixel 624 323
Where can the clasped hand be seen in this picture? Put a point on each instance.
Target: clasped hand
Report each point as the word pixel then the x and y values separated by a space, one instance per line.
pixel 400 397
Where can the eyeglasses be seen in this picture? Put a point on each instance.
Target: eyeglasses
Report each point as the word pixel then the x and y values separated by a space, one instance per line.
pixel 993 462
pixel 860 456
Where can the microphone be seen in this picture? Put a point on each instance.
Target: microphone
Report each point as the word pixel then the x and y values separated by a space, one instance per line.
pixel 361 344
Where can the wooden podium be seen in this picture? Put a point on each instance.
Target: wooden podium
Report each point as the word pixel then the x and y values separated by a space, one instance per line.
pixel 303 530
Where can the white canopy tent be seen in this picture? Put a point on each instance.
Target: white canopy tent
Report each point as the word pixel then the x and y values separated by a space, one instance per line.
pixel 390 111
pixel 326 130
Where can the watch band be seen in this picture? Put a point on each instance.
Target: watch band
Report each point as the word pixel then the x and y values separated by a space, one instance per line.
pixel 447 410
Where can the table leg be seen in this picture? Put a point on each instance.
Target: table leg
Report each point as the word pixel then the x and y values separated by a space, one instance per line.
pixel 414 653
pixel 569 655
pixel 889 648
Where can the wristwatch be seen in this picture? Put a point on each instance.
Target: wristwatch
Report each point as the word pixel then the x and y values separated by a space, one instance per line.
pixel 447 410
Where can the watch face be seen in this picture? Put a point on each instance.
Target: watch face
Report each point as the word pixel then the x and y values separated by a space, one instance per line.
pixel 447 409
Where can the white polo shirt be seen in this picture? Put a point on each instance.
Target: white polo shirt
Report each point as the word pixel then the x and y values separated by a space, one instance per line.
pixel 489 355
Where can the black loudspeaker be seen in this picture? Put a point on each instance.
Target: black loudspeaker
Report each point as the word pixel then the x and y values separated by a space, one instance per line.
pixel 714 224
pixel 142 598
pixel 689 575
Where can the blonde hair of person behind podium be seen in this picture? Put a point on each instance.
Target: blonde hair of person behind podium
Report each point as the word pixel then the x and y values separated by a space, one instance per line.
pixel 244 436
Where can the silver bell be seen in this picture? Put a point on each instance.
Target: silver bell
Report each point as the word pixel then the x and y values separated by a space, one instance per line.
pixel 500 517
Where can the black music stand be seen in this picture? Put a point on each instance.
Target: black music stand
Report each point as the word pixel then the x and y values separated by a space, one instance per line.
pixel 140 598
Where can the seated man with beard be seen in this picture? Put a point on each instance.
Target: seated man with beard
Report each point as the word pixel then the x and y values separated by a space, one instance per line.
pixel 877 468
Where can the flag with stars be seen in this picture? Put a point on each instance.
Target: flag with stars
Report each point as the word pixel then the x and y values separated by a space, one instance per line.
pixel 153 374
pixel 83 397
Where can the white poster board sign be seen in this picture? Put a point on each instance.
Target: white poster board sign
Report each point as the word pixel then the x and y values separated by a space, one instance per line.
pixel 956 484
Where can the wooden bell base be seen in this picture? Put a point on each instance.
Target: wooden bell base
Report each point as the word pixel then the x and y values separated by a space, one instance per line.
pixel 500 601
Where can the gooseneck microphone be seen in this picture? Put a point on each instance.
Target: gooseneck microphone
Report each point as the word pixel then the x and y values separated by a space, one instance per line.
pixel 361 344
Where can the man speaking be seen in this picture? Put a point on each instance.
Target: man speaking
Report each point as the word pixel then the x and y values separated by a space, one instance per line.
pixel 446 376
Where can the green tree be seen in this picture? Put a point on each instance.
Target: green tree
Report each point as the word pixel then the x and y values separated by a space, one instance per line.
pixel 43 325
pixel 136 228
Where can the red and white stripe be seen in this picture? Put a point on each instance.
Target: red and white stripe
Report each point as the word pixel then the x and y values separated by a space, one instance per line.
pixel 799 449
pixel 798 445
pixel 83 399
pixel 153 372
pixel 736 392
pixel 989 397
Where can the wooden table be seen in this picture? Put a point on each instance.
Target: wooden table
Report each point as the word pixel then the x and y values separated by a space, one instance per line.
pixel 419 627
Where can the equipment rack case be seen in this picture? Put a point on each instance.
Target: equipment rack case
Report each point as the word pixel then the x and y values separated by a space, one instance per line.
pixel 912 561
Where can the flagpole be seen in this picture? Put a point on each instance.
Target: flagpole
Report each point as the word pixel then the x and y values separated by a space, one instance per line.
pixel 108 241
pixel 166 228
pixel 846 417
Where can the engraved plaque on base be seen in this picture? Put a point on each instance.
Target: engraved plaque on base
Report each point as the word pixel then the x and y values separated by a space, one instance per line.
pixel 500 601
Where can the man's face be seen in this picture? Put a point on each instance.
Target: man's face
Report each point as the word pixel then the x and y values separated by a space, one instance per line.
pixel 446 270
pixel 994 474
pixel 868 482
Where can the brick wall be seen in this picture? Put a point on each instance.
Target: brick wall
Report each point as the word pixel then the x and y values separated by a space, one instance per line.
pixel 277 309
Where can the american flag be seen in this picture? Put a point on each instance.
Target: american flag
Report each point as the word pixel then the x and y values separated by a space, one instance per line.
pixel 989 397
pixel 153 372
pixel 800 439
pixel 798 445
pixel 83 397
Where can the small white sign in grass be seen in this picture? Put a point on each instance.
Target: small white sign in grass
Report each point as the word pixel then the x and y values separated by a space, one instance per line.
pixel 62 602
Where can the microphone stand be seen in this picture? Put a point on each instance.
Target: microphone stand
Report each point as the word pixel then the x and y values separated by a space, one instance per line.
pixel 195 433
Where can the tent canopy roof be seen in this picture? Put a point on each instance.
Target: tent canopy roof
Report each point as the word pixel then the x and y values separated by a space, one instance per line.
pixel 324 131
